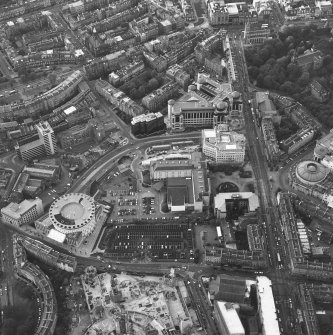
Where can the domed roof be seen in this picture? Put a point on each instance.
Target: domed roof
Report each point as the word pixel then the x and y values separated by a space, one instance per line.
pixel 320 151
pixel 311 172
pixel 235 94
pixel 201 80
pixel 221 105
pixel 191 88
pixel 171 102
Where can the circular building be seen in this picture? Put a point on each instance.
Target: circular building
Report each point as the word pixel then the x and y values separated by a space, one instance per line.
pixel 73 213
pixel 320 152
pixel 311 172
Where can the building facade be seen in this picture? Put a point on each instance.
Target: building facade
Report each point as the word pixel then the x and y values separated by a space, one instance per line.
pixel 223 146
pixel 24 213
pixel 44 143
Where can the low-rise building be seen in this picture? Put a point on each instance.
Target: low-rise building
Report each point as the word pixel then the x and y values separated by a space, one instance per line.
pixel 158 98
pixel 48 305
pixel 76 135
pixel 296 141
pixel 266 307
pixel 255 35
pixel 147 124
pixel 181 77
pixel 48 254
pixel 246 202
pixel 24 213
pixel 118 98
pixel 308 59
pixel 272 151
pixel 125 73
pixel 162 170
pixel 319 91
pixel 43 171
pixel 300 264
pixel 223 146
pixel 228 321
pixel 254 237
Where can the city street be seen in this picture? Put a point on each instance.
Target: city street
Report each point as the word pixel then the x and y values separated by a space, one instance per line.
pixel 7 278
pixel 268 204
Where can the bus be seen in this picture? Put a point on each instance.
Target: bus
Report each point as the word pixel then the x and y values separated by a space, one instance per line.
pixel 12 92
pixel 279 258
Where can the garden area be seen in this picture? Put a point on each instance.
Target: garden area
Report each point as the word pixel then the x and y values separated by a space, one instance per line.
pixel 274 67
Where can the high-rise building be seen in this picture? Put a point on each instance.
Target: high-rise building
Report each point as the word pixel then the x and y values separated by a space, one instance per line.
pixel 46 135
pixel 25 212
pixel 44 143
pixel 223 146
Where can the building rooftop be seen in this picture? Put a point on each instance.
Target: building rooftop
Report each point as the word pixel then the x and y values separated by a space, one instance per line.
pixel 230 317
pixel 311 171
pixel 72 210
pixel 17 210
pixel 269 317
pixel 220 200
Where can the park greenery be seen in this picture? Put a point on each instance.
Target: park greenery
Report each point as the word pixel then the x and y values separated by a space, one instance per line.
pixel 274 66
pixel 141 85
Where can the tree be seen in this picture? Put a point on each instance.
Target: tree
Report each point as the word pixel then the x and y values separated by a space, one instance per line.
pixel 134 93
pixel 287 86
pixel 153 84
pixel 294 71
pixel 142 91
pixel 304 79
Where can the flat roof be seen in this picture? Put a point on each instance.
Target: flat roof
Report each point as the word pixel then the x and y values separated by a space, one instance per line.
pixel 230 317
pixel 268 311
pixel 221 198
pixel 57 236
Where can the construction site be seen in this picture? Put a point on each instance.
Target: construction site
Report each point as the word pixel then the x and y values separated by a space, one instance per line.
pixel 126 304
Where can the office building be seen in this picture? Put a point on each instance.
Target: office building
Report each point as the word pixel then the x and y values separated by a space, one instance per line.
pixel 24 213
pixel 223 146
pixel 266 306
pixel 44 143
pixel 228 321
pixel 245 202
pixel 296 141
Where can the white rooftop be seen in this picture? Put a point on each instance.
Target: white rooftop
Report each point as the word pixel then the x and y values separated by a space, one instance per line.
pixel 268 311
pixel 221 198
pixel 231 318
pixel 57 236
pixel 70 110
